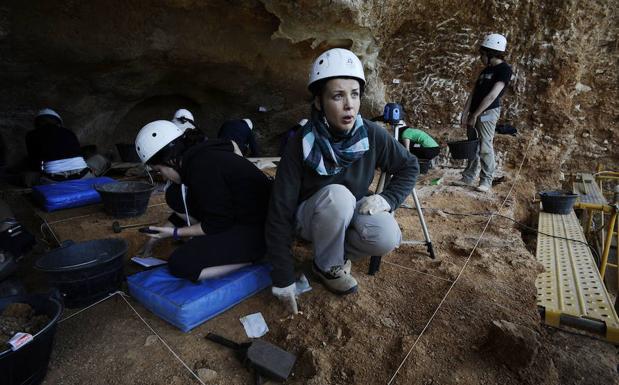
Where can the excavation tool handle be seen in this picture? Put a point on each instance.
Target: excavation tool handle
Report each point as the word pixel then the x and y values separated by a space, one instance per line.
pixel 223 341
pixel 147 230
pixel 118 228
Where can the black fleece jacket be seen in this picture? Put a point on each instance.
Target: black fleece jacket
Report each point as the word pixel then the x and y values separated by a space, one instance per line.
pixel 49 143
pixel 223 189
pixel 295 182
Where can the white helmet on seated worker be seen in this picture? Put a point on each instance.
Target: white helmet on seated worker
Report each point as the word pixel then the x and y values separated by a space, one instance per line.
pixel 49 112
pixel 334 63
pixel 495 42
pixel 183 119
pixel 249 123
pixel 154 136
pixel 302 122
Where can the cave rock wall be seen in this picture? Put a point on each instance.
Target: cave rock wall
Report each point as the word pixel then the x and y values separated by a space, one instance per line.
pixel 109 67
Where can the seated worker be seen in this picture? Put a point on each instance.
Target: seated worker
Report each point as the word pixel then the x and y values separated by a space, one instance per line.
pixel 55 151
pixel 184 120
pixel 424 146
pixel 322 182
pixel 221 205
pixel 286 136
pixel 240 131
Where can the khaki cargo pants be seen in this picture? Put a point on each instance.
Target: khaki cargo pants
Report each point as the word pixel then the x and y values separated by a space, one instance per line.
pixel 484 131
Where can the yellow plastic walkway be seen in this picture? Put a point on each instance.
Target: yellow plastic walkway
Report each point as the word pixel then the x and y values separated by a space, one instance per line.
pixel 570 290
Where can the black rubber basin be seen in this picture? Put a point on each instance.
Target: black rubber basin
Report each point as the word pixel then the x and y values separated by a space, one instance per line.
pixel 557 202
pixel 463 149
pixel 28 365
pixel 87 271
pixel 125 199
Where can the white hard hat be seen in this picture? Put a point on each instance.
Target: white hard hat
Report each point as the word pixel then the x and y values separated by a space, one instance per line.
pixel 401 124
pixel 302 122
pixel 154 136
pixel 49 112
pixel 336 62
pixel 495 41
pixel 249 123
pixel 183 119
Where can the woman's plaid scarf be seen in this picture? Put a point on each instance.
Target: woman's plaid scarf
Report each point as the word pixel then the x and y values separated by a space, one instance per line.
pixel 329 154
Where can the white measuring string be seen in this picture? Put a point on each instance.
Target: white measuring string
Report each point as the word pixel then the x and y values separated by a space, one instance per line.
pixel 88 307
pixel 464 266
pixel 123 295
pixel 91 214
pixel 416 271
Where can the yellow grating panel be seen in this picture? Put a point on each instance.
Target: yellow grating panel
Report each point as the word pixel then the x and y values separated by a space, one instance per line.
pixel 571 283
pixel 588 190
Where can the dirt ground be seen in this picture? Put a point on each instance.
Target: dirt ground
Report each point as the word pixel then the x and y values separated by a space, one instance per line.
pixel 20 317
pixel 431 321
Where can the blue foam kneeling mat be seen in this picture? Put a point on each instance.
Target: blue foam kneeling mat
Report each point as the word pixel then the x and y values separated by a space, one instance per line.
pixel 68 194
pixel 186 304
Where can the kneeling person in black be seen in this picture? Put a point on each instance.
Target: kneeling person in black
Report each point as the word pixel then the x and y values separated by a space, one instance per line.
pixel 225 195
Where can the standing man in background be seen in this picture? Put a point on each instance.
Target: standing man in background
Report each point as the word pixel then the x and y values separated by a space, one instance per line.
pixel 483 108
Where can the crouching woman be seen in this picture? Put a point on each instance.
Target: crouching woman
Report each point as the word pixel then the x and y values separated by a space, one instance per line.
pixel 321 188
pixel 220 208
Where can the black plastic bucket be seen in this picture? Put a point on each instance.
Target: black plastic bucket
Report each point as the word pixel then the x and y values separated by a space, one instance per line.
pixel 557 202
pixel 424 165
pixel 87 271
pixel 425 152
pixel 125 199
pixel 28 365
pixel 463 149
pixel 127 152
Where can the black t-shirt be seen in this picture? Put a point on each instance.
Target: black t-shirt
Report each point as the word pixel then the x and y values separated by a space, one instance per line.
pixel 501 72
pixel 51 142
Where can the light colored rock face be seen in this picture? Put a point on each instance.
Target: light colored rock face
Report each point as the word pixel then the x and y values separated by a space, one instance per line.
pixel 562 54
pixel 111 67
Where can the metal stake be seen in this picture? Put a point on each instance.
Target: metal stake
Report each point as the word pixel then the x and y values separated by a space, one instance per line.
pixel 382 182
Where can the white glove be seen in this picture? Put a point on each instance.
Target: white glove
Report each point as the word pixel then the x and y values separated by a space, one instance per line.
pixel 373 204
pixel 288 295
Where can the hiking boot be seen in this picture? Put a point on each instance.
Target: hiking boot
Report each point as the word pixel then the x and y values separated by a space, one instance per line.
pixel 484 187
pixel 464 182
pixel 337 280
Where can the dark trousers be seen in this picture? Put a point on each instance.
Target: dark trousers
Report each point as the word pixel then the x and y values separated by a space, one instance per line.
pixel 239 244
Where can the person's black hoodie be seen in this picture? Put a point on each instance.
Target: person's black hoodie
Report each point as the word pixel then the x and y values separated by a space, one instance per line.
pixel 224 189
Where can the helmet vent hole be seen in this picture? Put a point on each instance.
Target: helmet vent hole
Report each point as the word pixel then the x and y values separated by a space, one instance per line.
pixel 154 134
pixel 321 61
